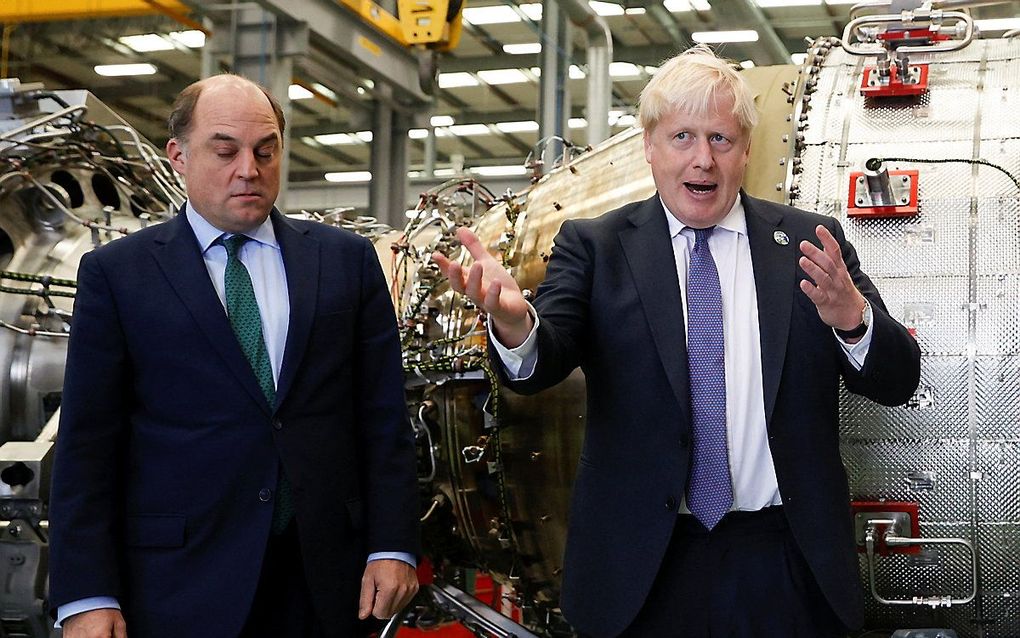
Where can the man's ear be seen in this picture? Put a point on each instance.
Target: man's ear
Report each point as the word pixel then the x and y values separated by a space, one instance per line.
pixel 176 154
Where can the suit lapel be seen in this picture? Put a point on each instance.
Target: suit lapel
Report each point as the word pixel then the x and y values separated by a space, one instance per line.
pixel 301 261
pixel 774 267
pixel 177 253
pixel 649 253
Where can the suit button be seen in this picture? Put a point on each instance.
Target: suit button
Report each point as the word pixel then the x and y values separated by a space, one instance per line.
pixel 670 504
pixel 277 424
pixel 265 494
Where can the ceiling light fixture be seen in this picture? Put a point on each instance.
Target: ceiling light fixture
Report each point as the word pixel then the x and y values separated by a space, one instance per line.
pixel 120 70
pixel 523 49
pixel 147 42
pixel 349 177
pixel 456 80
pixel 718 37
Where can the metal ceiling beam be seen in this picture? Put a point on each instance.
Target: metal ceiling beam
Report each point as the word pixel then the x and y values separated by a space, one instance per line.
pixel 335 29
pixel 747 14
pixel 644 55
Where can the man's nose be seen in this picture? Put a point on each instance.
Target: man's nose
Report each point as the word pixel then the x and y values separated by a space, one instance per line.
pixel 703 157
pixel 247 167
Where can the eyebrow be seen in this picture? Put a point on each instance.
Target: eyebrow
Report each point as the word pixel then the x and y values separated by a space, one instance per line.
pixel 223 137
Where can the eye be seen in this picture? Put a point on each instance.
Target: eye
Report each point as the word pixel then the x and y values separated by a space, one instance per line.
pixel 265 153
pixel 225 153
pixel 719 138
pixel 682 136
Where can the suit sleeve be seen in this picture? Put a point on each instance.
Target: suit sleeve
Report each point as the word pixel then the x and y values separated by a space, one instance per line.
pixel 387 443
pixel 563 304
pixel 88 473
pixel 892 369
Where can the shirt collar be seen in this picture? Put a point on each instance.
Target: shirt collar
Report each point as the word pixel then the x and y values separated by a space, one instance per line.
pixel 207 234
pixel 735 220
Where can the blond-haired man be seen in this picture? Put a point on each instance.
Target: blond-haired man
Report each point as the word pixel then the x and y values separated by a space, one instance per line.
pixel 713 329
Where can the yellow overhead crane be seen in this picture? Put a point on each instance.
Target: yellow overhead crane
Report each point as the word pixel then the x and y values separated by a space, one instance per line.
pixel 12 11
pixel 433 24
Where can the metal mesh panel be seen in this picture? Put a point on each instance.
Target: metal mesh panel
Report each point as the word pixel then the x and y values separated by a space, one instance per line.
pixel 1001 100
pixel 999 487
pixel 997 397
pixel 998 320
pixel 881 470
pixel 998 235
pixel 929 244
pixel 936 307
pixel 943 382
pixel 992 183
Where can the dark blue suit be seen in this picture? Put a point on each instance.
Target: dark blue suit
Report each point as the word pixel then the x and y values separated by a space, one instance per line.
pixel 168 452
pixel 611 304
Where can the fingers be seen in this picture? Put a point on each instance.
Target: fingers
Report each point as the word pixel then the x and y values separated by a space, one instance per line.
pixel 367 600
pixel 473 245
pixel 119 628
pixel 473 285
pixel 386 587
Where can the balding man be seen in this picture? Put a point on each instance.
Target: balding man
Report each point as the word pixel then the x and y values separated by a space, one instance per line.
pixel 233 456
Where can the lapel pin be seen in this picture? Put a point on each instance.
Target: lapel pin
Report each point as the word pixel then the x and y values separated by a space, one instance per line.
pixel 781 238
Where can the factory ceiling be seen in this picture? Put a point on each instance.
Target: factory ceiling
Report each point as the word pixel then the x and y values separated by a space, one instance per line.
pixel 485 105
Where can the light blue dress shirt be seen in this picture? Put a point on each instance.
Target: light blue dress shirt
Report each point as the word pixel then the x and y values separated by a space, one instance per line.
pixel 264 261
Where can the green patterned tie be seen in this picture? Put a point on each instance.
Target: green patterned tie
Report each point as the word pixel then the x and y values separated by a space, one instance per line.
pixel 245 319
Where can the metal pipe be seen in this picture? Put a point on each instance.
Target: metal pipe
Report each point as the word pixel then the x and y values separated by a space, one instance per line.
pixel 599 56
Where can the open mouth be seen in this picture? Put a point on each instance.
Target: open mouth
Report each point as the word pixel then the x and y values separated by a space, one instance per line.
pixel 700 189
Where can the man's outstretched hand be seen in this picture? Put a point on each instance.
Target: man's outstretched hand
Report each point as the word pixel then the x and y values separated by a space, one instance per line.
pixel 491 288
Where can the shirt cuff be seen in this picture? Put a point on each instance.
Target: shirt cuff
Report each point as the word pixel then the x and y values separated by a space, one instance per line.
pixel 857 352
pixel 401 556
pixel 85 604
pixel 519 362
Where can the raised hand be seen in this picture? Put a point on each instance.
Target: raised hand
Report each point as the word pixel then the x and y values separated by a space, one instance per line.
pixel 833 292
pixel 491 288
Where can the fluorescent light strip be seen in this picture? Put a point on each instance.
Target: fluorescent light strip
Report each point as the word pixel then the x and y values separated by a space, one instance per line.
pixel 523 49
pixel 526 126
pixel 457 79
pixel 193 39
pixel 680 6
pixel 441 120
pixel 146 42
pixel 298 92
pixel 120 70
pixel 501 14
pixel 623 70
pixel 503 76
pixel 349 177
pixel 768 4
pixel 469 129
pixel 606 8
pixel 717 37
pixel 499 171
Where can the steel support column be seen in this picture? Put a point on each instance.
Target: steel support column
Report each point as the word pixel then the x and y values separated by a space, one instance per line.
pixel 554 95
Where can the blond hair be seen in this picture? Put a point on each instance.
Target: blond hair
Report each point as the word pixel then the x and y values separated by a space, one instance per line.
pixel 691 82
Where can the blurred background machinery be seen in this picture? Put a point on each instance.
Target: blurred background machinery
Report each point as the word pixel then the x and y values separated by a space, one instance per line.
pixel 903 128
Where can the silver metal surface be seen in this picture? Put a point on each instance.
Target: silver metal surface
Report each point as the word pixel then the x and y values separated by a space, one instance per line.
pixel 952 274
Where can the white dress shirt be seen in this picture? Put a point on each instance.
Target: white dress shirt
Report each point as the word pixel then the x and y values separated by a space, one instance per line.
pixel 751 468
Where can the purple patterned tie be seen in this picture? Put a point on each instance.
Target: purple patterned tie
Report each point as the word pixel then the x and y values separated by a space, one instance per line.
pixel 709 490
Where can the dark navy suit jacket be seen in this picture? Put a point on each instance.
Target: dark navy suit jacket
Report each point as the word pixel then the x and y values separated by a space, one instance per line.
pixel 611 304
pixel 167 446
